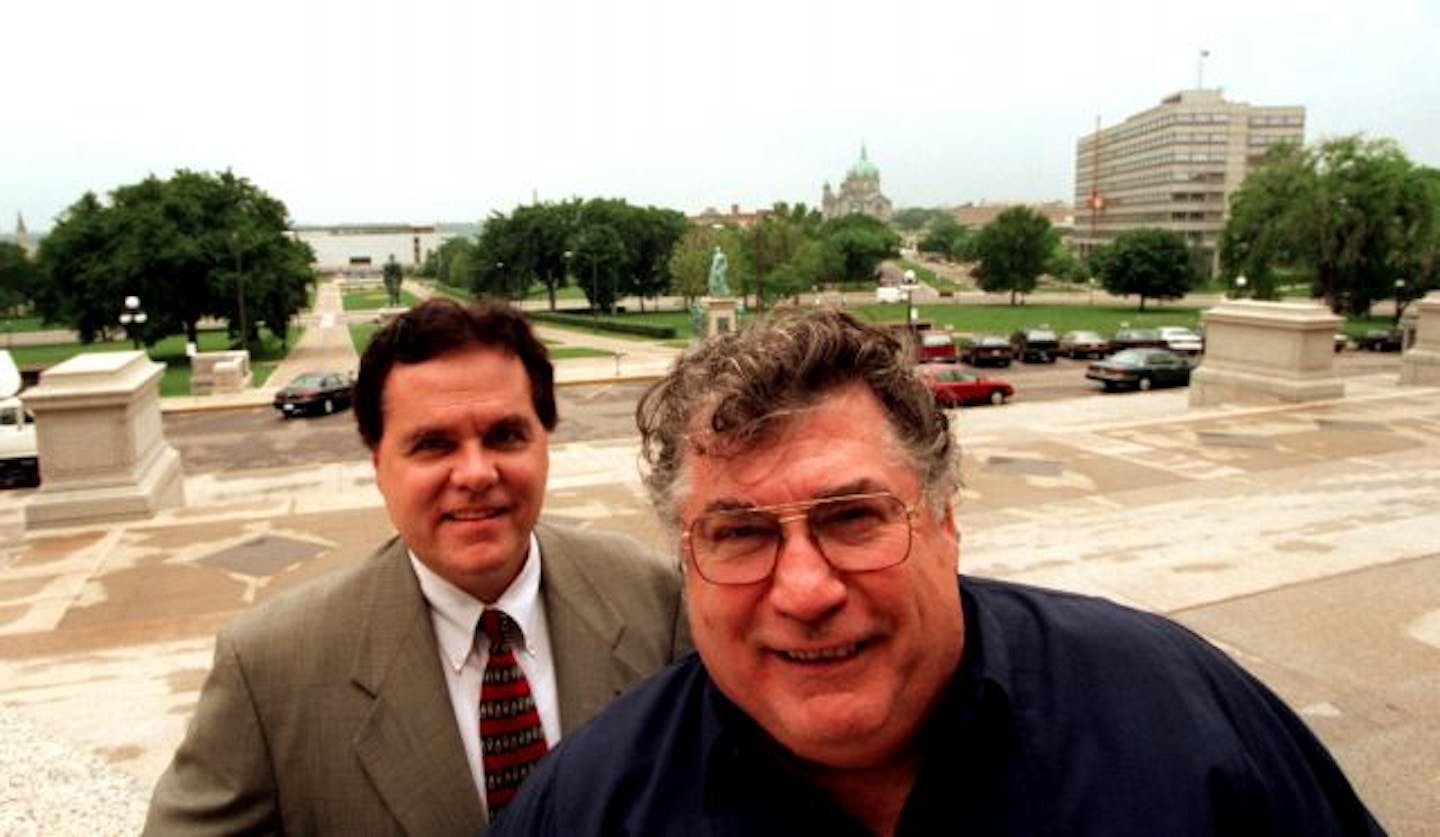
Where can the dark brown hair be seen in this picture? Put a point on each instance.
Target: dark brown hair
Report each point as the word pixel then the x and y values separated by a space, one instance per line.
pixel 439 326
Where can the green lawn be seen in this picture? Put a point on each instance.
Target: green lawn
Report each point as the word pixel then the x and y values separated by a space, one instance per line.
pixel 169 351
pixel 990 318
pixel 14 324
pixel 1007 318
pixel 373 300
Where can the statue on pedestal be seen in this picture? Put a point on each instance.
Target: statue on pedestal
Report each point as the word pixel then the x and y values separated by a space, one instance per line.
pixel 718 265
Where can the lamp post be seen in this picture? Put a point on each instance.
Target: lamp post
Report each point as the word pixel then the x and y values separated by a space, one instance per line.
pixel 1399 299
pixel 909 301
pixel 1240 283
pixel 132 318
pixel 1091 282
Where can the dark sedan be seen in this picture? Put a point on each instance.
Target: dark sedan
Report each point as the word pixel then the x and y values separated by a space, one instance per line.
pixel 1381 340
pixel 1140 369
pixel 953 386
pixel 987 349
pixel 320 392
pixel 1137 338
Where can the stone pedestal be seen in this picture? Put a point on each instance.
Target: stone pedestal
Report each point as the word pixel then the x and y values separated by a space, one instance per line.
pixel 720 315
pixel 1267 353
pixel 1420 365
pixel 219 372
pixel 102 453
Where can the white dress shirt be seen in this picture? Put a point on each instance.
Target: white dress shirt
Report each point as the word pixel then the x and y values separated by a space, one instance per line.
pixel 455 616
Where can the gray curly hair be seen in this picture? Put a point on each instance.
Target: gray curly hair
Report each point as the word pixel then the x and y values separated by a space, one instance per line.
pixel 745 385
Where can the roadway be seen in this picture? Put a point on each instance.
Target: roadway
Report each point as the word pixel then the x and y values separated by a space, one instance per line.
pixel 258 438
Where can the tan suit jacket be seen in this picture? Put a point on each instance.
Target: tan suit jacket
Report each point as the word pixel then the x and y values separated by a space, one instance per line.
pixel 326 710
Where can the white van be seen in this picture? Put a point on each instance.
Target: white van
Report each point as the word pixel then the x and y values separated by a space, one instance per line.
pixel 19 459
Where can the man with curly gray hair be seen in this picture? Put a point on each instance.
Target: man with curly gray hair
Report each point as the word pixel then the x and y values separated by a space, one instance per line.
pixel 850 681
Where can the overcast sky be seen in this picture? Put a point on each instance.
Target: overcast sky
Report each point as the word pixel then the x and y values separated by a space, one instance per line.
pixel 379 110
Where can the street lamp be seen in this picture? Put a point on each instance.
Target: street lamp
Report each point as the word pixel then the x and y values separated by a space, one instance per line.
pixel 1240 282
pixel 1399 299
pixel 1091 282
pixel 132 318
pixel 909 303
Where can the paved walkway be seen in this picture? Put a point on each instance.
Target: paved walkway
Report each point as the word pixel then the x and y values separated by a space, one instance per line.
pixel 1301 539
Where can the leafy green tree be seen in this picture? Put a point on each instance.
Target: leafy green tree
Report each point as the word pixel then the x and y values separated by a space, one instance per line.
pixel 196 245
pixel 913 219
pixel 1064 264
pixel 1012 251
pixel 946 237
pixel 860 244
pixel 17 276
pixel 773 243
pixel 689 264
pixel 1354 212
pixel 600 262
pixel 1149 263
pixel 450 263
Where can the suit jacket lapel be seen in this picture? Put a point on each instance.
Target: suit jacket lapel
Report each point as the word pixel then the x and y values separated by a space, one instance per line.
pixel 592 663
pixel 408 743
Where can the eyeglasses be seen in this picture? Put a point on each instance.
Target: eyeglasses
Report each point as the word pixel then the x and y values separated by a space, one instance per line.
pixel 855 533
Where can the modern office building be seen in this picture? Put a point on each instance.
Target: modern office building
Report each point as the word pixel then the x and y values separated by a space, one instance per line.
pixel 1174 167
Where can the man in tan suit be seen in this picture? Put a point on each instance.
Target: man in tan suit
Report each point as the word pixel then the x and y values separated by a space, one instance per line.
pixel 350 705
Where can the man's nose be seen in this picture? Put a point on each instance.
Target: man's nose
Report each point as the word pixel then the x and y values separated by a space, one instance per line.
pixel 804 585
pixel 474 467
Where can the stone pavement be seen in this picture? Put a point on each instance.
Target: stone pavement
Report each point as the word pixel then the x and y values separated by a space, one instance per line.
pixel 1304 540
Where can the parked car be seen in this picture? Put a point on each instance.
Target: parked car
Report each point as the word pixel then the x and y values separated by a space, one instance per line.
pixel 986 350
pixel 1181 340
pixel 954 386
pixel 1141 369
pixel 1036 344
pixel 1381 340
pixel 315 392
pixel 1076 344
pixel 1342 341
pixel 1136 338
pixel 935 347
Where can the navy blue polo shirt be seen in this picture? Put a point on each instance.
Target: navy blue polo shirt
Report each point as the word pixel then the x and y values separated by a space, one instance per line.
pixel 1068 715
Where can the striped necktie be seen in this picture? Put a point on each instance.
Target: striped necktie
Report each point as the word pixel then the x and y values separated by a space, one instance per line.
pixel 511 738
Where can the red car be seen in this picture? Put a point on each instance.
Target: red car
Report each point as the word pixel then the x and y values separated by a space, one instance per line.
pixel 954 386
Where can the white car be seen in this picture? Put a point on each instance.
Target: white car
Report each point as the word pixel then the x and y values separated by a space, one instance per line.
pixel 889 293
pixel 1181 340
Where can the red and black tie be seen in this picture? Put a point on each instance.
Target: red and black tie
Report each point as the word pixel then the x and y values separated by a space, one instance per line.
pixel 511 738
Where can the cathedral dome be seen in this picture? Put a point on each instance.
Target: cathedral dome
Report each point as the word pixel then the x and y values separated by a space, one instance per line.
pixel 863 167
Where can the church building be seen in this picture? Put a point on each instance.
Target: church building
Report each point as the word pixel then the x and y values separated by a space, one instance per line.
pixel 859 192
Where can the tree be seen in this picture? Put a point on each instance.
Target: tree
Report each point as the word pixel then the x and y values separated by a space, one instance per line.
pixel 860 243
pixel 17 276
pixel 600 261
pixel 913 219
pixel 196 245
pixel 1012 251
pixel 946 237
pixel 773 243
pixel 1355 212
pixel 1150 263
pixel 1064 264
